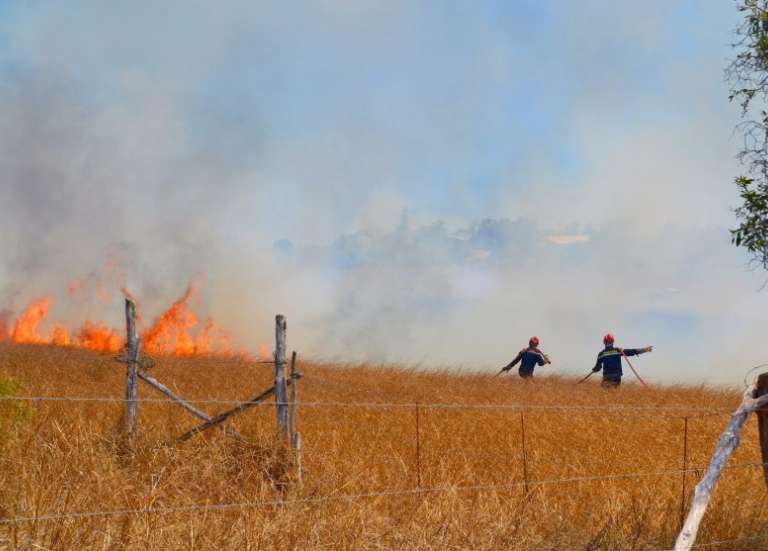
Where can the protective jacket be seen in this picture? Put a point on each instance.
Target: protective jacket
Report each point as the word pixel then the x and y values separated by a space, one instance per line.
pixel 528 358
pixel 609 360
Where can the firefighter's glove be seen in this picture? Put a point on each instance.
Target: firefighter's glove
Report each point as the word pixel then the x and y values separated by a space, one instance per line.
pixel 595 369
pixel 648 349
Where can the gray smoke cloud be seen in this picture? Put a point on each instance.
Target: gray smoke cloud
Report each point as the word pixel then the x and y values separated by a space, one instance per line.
pixel 322 163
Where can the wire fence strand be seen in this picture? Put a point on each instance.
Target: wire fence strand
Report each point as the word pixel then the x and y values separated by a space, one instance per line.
pixel 346 497
pixel 388 405
pixel 715 543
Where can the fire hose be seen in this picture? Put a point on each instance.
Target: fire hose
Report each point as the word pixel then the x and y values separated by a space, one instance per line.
pixel 633 369
pixel 630 366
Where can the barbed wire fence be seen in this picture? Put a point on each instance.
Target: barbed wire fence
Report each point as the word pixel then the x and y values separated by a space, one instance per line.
pixel 286 409
pixel 696 411
pixel 353 497
pixel 683 413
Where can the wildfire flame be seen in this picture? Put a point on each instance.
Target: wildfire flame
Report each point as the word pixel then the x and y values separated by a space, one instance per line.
pixel 25 328
pixel 172 332
pixel 177 331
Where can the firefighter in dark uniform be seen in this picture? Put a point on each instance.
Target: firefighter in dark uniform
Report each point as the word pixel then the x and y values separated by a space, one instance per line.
pixel 528 358
pixel 609 360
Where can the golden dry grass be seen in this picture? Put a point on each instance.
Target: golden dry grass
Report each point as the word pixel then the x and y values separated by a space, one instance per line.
pixel 64 458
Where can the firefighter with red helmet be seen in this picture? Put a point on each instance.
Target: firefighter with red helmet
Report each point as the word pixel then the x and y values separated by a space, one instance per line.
pixel 609 360
pixel 528 358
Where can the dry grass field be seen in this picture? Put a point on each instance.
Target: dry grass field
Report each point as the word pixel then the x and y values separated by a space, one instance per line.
pixel 603 467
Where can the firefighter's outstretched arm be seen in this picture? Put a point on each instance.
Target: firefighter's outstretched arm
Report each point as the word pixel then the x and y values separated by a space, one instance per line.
pixel 637 351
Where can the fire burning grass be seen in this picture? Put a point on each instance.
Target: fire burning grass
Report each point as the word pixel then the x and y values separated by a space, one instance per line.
pixel 598 478
pixel 177 331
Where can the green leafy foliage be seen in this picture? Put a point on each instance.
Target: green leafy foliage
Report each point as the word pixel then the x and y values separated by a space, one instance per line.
pixel 748 77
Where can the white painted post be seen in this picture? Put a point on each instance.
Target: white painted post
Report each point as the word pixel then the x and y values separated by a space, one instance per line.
pixel 281 395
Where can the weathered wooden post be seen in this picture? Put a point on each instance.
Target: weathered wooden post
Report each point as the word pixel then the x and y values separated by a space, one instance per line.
pixel 295 436
pixel 684 492
pixel 294 391
pixel 297 458
pixel 726 444
pixel 762 422
pixel 525 452
pixel 418 448
pixel 132 352
pixel 281 398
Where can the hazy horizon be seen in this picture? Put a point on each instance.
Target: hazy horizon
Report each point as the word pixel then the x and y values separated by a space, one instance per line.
pixel 424 183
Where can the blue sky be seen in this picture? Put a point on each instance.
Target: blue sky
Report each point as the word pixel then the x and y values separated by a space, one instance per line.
pixel 595 136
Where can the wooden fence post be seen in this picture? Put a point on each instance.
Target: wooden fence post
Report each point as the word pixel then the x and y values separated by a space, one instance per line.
pixel 762 422
pixel 525 453
pixel 281 398
pixel 684 491
pixel 297 456
pixel 132 352
pixel 726 444
pixel 418 448
pixel 294 435
pixel 294 391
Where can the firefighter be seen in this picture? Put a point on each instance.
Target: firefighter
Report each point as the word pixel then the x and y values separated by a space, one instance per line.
pixel 528 358
pixel 609 360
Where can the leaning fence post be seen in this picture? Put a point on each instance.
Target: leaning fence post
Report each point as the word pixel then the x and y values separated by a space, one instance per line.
pixel 281 398
pixel 726 444
pixel 132 351
pixel 762 422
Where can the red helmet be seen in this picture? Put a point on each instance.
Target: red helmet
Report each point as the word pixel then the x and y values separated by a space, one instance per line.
pixel 608 339
pixel 534 341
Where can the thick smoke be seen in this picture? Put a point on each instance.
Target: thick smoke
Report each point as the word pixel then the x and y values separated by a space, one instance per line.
pixel 401 195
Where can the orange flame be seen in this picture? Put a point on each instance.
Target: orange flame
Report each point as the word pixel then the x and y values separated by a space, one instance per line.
pixel 176 331
pixel 25 328
pixel 101 338
pixel 60 336
pixel 172 332
pixel 204 340
pixel 169 334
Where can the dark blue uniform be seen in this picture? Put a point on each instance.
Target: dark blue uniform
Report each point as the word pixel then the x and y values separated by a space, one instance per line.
pixel 528 359
pixel 609 360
